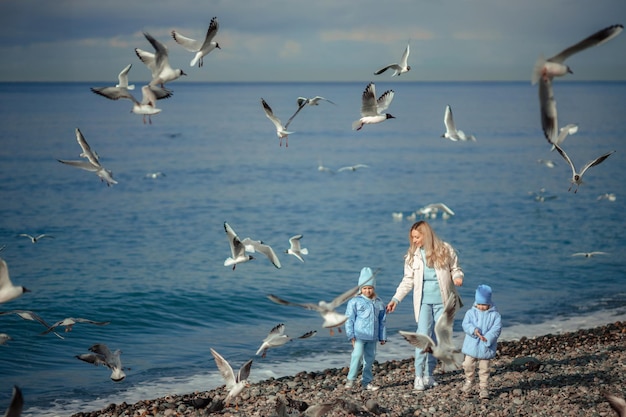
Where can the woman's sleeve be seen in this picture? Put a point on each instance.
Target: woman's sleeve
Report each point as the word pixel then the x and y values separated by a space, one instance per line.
pixel 455 268
pixel 406 285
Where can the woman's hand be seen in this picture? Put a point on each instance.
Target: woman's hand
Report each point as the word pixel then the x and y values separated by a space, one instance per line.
pixel 458 281
pixel 391 306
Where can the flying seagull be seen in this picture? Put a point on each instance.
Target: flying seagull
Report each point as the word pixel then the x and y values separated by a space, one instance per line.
pixel 577 177
pixel 400 68
pixel 93 161
pixel 69 322
pixel 234 383
pixel 372 109
pixel 158 62
pixel 589 254
pixel 102 355
pixel 281 131
pixel 443 349
pixel 295 248
pixel 145 107
pixel 451 131
pixel 29 315
pixel 239 249
pixel 331 318
pixel 8 291
pixel 35 239
pixel 277 337
pixel 549 117
pixel 555 66
pixel 200 48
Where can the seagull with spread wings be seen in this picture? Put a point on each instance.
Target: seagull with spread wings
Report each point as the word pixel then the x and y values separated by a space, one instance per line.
pixel 200 48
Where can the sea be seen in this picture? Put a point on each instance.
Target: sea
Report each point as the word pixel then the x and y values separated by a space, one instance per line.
pixel 147 254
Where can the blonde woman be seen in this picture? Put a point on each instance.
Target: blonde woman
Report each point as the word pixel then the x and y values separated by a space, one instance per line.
pixel 432 271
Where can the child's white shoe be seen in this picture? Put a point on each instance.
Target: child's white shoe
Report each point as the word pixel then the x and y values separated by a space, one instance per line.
pixel 419 384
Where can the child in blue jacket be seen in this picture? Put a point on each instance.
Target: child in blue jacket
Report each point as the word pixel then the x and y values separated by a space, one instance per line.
pixel 365 327
pixel 482 326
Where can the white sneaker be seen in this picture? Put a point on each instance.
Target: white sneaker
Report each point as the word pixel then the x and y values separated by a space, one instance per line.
pixel 372 387
pixel 419 384
pixel 430 382
pixel 349 384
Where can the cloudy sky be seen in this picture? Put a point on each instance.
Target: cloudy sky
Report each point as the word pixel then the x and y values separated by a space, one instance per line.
pixel 308 40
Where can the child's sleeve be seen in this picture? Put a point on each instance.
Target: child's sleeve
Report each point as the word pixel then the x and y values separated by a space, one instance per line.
pixel 468 326
pixel 494 331
pixel 351 314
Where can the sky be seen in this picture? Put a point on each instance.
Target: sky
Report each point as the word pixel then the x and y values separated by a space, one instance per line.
pixel 308 40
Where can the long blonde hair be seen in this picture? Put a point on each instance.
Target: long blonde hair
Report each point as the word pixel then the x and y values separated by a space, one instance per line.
pixel 437 253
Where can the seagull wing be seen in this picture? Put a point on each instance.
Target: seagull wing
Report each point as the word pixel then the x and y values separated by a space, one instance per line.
pixel 225 369
pixel 93 358
pixel 393 66
pixel 270 115
pixel 114 93
pixel 384 101
pixel 547 105
pixel 264 249
pixel 122 78
pixel 595 162
pixel 237 248
pixel 161 54
pixel 192 45
pixel 244 371
pixel 211 32
pixel 17 403
pixel 448 121
pixel 87 152
pixel 418 340
pixel 368 101
pixel 294 242
pixel 86 165
pixel 307 306
pixel 294 115
pixel 443 327
pixel 148 58
pixel 405 57
pixel 97 323
pixel 597 38
pixel 566 157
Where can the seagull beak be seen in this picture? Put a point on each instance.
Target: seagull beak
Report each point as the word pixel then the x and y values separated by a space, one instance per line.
pixel 26 289
pixel 217 45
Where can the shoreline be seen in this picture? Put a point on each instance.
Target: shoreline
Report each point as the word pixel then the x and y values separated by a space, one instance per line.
pixel 547 375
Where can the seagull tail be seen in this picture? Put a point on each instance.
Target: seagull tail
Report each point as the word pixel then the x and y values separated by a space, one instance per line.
pixel 304 251
pixel 195 59
pixel 356 125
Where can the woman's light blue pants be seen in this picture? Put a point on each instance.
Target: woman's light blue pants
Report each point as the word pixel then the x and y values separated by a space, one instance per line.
pixel 425 362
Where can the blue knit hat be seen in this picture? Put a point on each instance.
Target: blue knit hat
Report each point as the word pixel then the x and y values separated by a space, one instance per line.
pixel 483 294
pixel 367 278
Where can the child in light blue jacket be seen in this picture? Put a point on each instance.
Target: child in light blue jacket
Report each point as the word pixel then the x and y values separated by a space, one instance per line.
pixel 482 325
pixel 365 327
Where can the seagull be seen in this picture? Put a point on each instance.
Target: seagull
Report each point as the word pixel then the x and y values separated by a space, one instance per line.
pixel 372 110
pixel 577 178
pixel 617 403
pixel 541 196
pixel 200 48
pixel 554 66
pixel 27 315
pixel 314 101
pixel 239 247
pixel 281 131
pixel 8 291
pixel 549 119
pixel 35 239
pixel 17 403
pixel 322 168
pixel 443 350
pixel 431 211
pixel 589 254
pixel 4 338
pixel 547 162
pixel 400 68
pixel 451 131
pixel 158 62
pixel 607 196
pixel 326 310
pixel 145 107
pixel 102 355
pixel 397 216
pixel 295 249
pixel 234 383
pixel 352 167
pixel 93 161
pixel 122 79
pixel 277 337
pixel 69 322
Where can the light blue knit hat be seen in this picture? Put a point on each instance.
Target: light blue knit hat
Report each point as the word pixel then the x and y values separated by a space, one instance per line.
pixel 483 294
pixel 367 278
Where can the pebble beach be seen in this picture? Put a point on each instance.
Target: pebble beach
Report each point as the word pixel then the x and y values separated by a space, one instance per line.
pixel 564 374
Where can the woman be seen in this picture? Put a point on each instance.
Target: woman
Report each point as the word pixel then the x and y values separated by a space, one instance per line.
pixel 431 269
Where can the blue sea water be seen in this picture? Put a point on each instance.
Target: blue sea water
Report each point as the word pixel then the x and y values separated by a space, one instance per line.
pixel 147 254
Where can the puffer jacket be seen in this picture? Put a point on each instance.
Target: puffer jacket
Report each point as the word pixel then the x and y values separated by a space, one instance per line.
pixel 414 280
pixel 490 325
pixel 366 319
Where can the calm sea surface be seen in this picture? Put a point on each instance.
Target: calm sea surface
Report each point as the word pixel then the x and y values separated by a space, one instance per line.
pixel 147 254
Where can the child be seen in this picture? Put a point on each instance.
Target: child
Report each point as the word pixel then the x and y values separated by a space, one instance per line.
pixel 365 326
pixel 482 326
